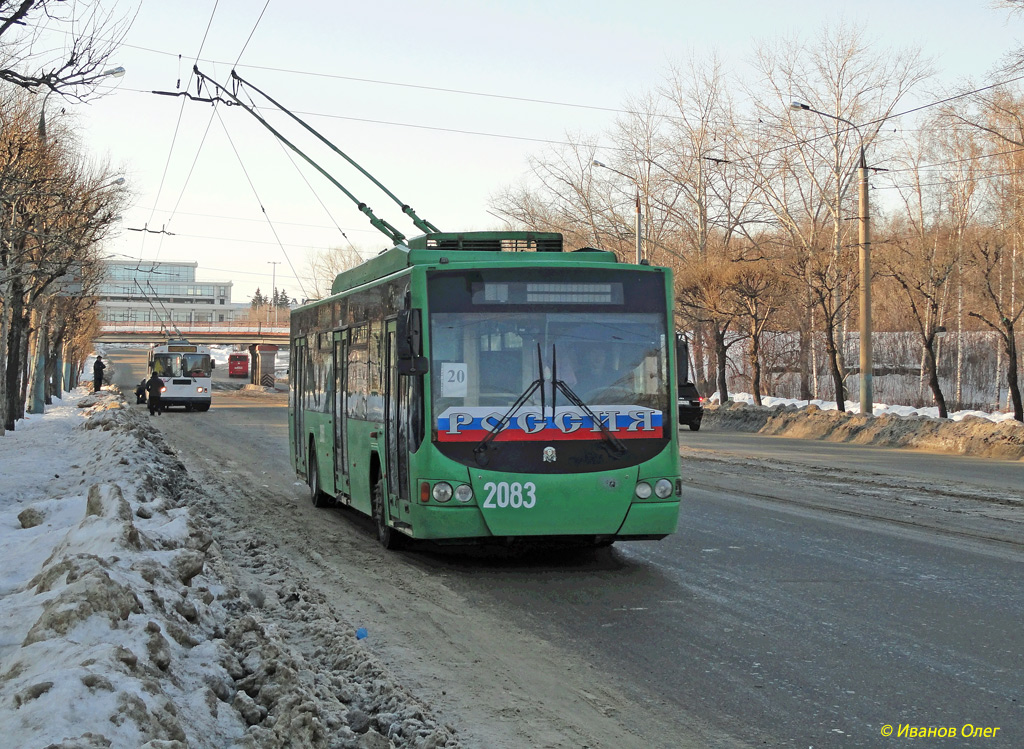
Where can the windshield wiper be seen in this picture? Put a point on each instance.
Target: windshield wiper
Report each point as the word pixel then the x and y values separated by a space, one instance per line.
pixel 618 449
pixel 480 451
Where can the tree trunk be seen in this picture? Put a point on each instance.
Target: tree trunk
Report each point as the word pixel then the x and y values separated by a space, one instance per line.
pixel 932 372
pixel 12 379
pixel 4 330
pixel 806 342
pixel 833 363
pixel 755 362
pixel 720 357
pixel 38 345
pixel 1010 341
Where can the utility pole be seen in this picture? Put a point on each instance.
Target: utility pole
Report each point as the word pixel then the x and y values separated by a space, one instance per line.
pixel 273 285
pixel 864 237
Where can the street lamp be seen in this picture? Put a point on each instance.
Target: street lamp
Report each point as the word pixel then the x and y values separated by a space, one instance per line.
pixel 639 253
pixel 866 364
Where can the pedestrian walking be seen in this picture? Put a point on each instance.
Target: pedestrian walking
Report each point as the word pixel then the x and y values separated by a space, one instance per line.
pixel 154 387
pixel 97 374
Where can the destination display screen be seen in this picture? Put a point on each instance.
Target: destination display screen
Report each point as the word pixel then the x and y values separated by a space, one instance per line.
pixel 547 293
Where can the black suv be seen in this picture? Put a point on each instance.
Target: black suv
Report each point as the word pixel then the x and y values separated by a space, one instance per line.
pixel 691 406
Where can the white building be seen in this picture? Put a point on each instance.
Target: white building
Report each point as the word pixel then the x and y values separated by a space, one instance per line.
pixel 159 291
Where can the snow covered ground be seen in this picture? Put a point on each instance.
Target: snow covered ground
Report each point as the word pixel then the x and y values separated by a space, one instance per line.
pixel 880 409
pixel 121 626
pixel 991 435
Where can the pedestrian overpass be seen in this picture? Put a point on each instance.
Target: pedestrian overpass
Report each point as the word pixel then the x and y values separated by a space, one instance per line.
pixel 206 333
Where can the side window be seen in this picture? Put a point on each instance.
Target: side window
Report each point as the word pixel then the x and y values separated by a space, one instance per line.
pixel 375 395
pixel 358 386
pixel 307 380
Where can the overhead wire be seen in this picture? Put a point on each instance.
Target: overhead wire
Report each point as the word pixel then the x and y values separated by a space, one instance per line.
pixel 177 126
pixel 258 200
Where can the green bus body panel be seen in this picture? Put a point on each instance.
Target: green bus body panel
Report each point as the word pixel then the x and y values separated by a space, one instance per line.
pixel 651 519
pixel 362 447
pixel 587 504
pixel 567 504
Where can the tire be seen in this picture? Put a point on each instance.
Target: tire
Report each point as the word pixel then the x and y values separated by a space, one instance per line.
pixel 389 538
pixel 203 407
pixel 316 494
pixel 694 427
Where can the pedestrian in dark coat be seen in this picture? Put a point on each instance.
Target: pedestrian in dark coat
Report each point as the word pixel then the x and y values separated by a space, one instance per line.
pixel 140 392
pixel 97 374
pixel 154 387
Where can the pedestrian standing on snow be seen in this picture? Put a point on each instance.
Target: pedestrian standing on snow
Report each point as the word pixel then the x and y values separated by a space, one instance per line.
pixel 97 374
pixel 154 387
pixel 140 392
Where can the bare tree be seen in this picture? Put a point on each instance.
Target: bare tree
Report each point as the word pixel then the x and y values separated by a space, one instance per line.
pixel 54 210
pixel 807 185
pixel 325 265
pixel 926 250
pixel 704 298
pixel 1000 314
pixel 52 45
pixel 758 290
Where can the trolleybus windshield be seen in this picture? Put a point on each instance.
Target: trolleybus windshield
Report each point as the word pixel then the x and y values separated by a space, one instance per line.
pixel 182 365
pixel 494 332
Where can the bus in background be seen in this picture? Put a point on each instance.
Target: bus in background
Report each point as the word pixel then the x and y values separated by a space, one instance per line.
pixel 185 369
pixel 487 386
pixel 238 365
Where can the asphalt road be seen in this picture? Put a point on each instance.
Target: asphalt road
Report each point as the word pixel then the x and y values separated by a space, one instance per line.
pixel 814 594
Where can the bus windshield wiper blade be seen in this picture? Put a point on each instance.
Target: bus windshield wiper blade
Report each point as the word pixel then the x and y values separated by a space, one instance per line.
pixel 618 448
pixel 480 451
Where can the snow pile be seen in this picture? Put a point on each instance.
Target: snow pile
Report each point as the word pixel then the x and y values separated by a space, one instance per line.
pixel 878 409
pixel 970 434
pixel 121 625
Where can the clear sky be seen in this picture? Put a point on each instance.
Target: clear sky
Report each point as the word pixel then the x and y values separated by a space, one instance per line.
pixel 367 74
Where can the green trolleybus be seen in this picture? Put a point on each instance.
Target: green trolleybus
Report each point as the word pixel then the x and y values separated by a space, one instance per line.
pixel 488 386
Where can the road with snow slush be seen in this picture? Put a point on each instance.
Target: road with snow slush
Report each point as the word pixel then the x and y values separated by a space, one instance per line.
pixel 814 595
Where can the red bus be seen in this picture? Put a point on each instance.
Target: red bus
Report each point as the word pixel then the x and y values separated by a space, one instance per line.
pixel 238 365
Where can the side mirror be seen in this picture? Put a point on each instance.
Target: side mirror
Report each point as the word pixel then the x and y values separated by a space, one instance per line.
pixel 409 344
pixel 682 360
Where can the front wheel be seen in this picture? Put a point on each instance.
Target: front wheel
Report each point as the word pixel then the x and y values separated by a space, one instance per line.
pixel 389 538
pixel 316 494
pixel 694 427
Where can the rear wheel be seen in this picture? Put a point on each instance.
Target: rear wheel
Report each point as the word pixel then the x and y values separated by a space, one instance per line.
pixel 389 538
pixel 694 427
pixel 316 494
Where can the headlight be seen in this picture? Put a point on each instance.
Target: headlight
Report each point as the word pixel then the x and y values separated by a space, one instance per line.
pixel 442 491
pixel 663 488
pixel 464 493
pixel 643 490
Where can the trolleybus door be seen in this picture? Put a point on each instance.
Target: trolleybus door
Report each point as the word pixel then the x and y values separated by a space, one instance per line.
pixel 340 411
pixel 297 393
pixel 396 426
